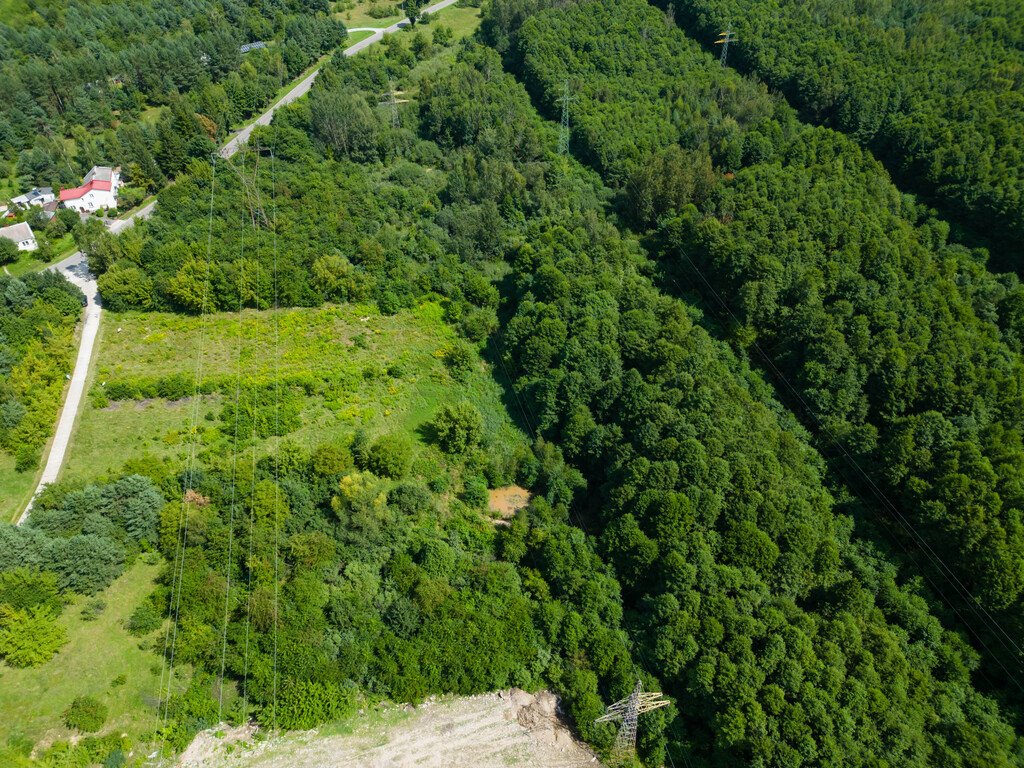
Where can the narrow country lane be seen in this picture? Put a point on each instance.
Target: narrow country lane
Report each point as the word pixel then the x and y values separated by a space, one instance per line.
pixel 76 269
pixel 303 87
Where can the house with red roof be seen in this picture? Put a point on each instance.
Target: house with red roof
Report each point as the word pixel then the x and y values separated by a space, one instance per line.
pixel 98 190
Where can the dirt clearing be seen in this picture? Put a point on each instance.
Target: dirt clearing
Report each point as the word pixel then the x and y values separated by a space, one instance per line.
pixel 505 502
pixel 490 731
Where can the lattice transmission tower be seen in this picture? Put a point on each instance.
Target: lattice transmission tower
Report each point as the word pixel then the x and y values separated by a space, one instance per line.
pixel 723 40
pixel 391 100
pixel 566 101
pixel 628 710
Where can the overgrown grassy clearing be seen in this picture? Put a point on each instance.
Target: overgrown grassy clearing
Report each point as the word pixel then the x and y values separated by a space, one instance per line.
pixel 463 21
pixel 9 179
pixel 97 652
pixel 361 370
pixel 359 14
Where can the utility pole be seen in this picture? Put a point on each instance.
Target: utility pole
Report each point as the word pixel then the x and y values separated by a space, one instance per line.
pixel 723 40
pixel 628 710
pixel 564 133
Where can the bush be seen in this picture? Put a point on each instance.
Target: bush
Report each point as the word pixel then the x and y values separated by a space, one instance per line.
pixel 29 637
pixel 389 456
pixel 304 704
pixel 475 493
pixel 85 714
pixel 144 620
pixel 458 427
pixel 23 588
pixel 458 358
pixel 93 608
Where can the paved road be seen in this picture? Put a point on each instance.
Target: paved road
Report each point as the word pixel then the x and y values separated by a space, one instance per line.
pixel 303 87
pixel 76 269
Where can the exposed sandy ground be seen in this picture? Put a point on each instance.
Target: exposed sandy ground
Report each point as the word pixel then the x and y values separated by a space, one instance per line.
pixel 490 731
pixel 505 502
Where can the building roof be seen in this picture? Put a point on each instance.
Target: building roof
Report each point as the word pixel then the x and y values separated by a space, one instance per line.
pixel 17 232
pixel 99 173
pixel 77 192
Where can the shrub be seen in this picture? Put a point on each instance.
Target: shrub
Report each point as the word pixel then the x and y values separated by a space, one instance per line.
pixel 85 714
pixel 29 637
pixel 24 588
pixel 475 493
pixel 93 608
pixel 458 358
pixel 144 620
pixel 458 427
pixel 389 456
pixel 304 704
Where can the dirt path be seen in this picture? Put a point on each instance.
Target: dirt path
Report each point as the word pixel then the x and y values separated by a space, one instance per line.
pixel 489 731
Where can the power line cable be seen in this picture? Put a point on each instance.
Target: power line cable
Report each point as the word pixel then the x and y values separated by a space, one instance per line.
pixel 936 559
pixel 181 536
pixel 234 469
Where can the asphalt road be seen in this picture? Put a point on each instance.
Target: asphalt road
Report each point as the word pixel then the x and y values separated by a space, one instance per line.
pixel 76 269
pixel 303 87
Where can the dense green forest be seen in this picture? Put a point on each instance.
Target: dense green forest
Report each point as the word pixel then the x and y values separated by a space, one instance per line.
pixel 680 525
pixel 896 347
pixel 144 85
pixel 38 314
pixel 935 89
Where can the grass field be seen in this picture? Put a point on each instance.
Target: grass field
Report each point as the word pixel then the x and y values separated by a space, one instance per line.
pixel 359 14
pixel 367 371
pixel 463 21
pixel 32 700
pixel 15 488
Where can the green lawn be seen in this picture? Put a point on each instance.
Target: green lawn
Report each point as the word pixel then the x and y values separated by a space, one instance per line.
pixel 15 488
pixel 356 37
pixel 28 261
pixel 367 371
pixel 32 700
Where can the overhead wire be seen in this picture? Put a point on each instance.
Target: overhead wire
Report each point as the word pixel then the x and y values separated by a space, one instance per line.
pixel 933 557
pixel 277 431
pixel 252 479
pixel 233 472
pixel 188 479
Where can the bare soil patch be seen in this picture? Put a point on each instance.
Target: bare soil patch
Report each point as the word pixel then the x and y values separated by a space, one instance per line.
pixel 489 731
pixel 505 502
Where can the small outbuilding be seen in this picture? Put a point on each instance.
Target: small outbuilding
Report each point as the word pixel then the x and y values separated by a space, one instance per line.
pixel 21 235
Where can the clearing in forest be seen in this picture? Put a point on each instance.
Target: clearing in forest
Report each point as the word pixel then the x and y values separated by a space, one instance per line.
pixel 489 731
pixel 344 369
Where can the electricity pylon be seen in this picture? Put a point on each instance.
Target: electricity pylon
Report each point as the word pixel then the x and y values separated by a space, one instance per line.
pixel 563 134
pixel 723 40
pixel 392 101
pixel 628 710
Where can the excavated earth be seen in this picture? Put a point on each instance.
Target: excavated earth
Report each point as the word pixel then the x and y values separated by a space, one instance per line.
pixel 489 731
